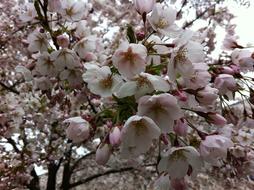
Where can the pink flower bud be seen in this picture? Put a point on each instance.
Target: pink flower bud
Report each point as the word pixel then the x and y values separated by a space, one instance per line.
pixel 207 95
pixel 225 83
pixel 102 154
pixel 180 95
pixel 181 128
pixel 140 35
pixel 63 40
pixel 235 68
pixel 216 119
pixel 144 6
pixel 178 184
pixel 78 129
pixel 227 70
pixel 115 136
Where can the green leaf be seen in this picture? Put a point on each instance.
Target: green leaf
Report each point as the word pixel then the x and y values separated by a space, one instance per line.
pixel 131 34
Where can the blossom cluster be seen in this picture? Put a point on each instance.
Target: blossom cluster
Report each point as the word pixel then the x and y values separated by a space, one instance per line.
pixel 143 92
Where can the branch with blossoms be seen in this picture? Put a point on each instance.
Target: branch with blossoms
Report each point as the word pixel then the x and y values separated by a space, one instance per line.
pixel 137 94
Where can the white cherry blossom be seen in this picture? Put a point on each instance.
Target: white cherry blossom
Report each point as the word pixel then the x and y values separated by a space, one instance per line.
pixel 65 59
pixel 177 161
pixel 162 19
pixel 37 41
pixel 137 135
pixel 214 147
pixel 142 84
pixel 45 65
pixel 163 109
pixel 130 59
pixel 100 80
pixel 78 129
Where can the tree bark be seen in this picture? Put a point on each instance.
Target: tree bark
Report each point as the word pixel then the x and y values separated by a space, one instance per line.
pixel 52 172
pixel 35 182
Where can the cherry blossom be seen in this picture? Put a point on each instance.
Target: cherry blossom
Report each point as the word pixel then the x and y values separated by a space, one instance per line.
pixel 65 59
pixel 244 58
pixel 214 147
pixel 177 161
pixel 137 135
pixel 45 65
pixel 130 59
pixel 162 19
pixel 78 129
pixel 225 83
pixel 144 6
pixel 163 109
pixel 37 41
pixel 142 84
pixel 103 153
pixel 100 80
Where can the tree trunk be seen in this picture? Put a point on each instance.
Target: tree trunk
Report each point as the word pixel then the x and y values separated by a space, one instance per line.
pixel 52 172
pixel 35 182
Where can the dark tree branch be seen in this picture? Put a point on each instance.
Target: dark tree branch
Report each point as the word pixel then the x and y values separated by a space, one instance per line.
pixel 8 88
pixel 188 24
pixel 13 143
pixel 90 178
pixel 80 159
pixel 180 11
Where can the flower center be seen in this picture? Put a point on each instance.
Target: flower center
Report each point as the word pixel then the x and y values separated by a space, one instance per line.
pixel 140 127
pixel 176 155
pixel 129 55
pixel 107 82
pixel 181 55
pixel 143 81
pixel 162 23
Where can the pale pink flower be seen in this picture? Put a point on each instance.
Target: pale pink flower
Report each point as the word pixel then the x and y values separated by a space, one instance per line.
pixel 142 84
pixel 73 10
pixel 137 135
pixel 225 83
pixel 100 80
pixel 73 76
pixel 87 46
pixel 207 95
pixel 244 58
pixel 177 161
pixel 63 40
pixel 45 65
pixel 181 127
pixel 162 19
pixel 214 147
pixel 130 59
pixel 25 72
pixel 216 119
pixel 103 153
pixel 37 41
pixel 230 42
pixel 184 55
pixel 42 83
pixel 244 138
pixel 78 129
pixel 144 6
pixel 65 59
pixel 115 136
pixel 163 109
